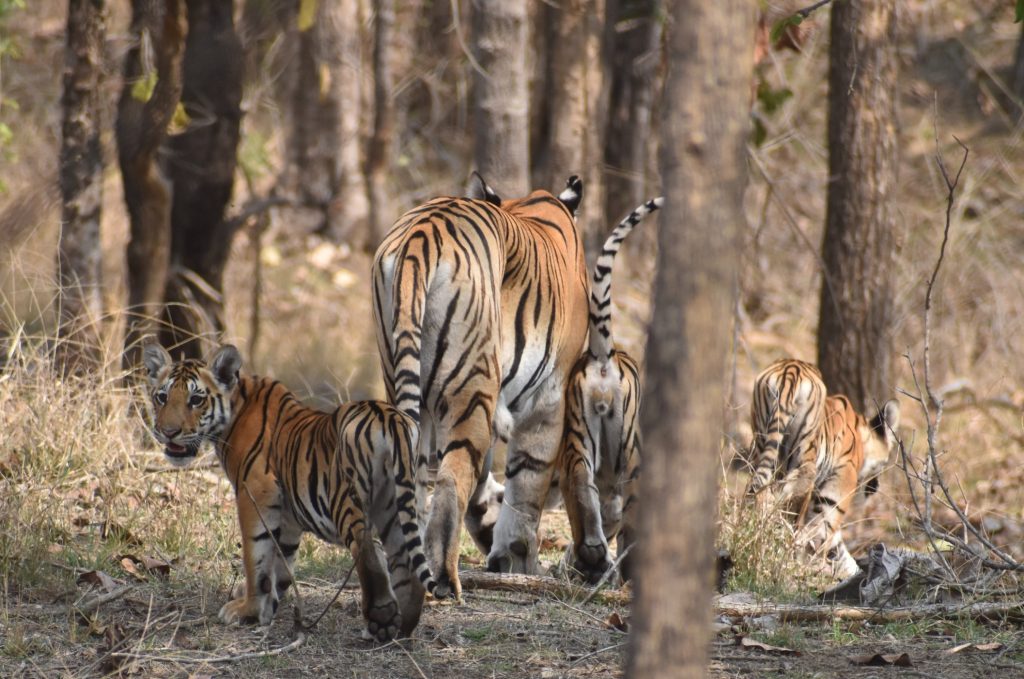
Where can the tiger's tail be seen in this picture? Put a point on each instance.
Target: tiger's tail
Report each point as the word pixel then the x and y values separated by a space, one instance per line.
pixel 601 292
pixel 409 298
pixel 403 434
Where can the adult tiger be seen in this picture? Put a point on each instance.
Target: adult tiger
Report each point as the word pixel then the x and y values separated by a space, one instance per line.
pixel 823 449
pixel 599 461
pixel 338 475
pixel 480 306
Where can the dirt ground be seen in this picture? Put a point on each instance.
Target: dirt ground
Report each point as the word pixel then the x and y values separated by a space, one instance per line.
pixel 167 630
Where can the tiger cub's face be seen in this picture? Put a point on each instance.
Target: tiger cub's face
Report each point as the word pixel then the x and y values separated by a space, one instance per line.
pixel 191 402
pixel 879 439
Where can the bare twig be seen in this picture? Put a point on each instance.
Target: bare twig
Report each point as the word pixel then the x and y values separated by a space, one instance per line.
pixel 87 607
pixel 599 651
pixel 235 657
pixel 932 405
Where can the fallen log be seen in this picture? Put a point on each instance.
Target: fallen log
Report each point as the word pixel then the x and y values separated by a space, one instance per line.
pixel 540 585
pixel 994 610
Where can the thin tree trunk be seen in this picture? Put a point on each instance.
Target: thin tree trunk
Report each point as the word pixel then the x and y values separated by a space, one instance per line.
pixel 201 164
pixel 1018 69
pixel 856 313
pixel 158 27
pixel 635 41
pixel 577 106
pixel 501 98
pixel 704 171
pixel 378 157
pixel 81 184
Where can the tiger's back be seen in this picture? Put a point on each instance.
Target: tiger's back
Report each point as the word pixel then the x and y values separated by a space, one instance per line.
pixel 340 475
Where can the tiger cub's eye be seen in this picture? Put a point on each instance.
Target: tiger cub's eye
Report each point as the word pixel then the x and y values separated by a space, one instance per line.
pixel 196 400
pixel 160 398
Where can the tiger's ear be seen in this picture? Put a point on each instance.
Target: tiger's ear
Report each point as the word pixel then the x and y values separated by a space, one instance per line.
pixel 155 358
pixel 225 365
pixel 572 195
pixel 478 189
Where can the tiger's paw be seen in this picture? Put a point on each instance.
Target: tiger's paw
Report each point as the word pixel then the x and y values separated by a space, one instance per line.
pixel 592 561
pixel 244 611
pixel 383 622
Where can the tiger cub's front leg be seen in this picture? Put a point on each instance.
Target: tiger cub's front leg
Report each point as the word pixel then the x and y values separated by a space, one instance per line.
pixel 267 535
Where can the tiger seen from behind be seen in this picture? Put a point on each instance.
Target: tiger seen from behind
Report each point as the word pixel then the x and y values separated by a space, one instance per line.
pixel 599 461
pixel 820 450
pixel 481 312
pixel 341 475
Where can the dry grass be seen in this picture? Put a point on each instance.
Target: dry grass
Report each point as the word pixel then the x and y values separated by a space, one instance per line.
pixel 81 483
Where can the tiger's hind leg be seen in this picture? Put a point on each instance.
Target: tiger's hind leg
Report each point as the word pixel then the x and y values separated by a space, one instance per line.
pixel 407 588
pixel 532 448
pixel 379 606
pixel 579 489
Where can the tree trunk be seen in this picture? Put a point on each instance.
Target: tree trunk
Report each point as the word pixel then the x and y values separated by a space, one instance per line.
pixel 81 184
pixel 576 107
pixel 142 118
pixel 1018 69
pixel 635 42
pixel 201 164
pixel 856 313
pixel 500 98
pixel 704 124
pixel 378 157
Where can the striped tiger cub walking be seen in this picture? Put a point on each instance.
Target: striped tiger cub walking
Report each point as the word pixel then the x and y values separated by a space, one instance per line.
pixel 339 475
pixel 823 449
pixel 599 463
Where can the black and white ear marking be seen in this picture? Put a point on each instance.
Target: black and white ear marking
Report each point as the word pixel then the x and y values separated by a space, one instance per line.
pixel 225 365
pixel 155 358
pixel 572 195
pixel 478 189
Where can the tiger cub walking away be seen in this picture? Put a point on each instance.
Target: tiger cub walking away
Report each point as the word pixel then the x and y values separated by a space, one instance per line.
pixel 339 475
pixel 599 462
pixel 852 453
pixel 786 413
pixel 821 449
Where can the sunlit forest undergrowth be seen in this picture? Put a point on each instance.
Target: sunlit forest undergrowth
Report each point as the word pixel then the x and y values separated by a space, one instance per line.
pixel 83 487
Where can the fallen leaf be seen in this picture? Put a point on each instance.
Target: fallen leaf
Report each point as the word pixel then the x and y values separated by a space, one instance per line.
pixel 983 648
pixel 879 660
pixel 98 579
pixel 128 565
pixel 614 621
pixel 753 644
pixel 156 566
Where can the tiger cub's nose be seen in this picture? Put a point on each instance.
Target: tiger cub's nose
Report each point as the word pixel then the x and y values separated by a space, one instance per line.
pixel 170 432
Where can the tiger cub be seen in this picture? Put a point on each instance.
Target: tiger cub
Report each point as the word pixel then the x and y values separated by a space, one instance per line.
pixel 599 461
pixel 822 449
pixel 339 475
pixel 786 413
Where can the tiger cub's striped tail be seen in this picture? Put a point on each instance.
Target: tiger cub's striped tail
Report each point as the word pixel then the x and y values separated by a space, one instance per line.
pixel 601 292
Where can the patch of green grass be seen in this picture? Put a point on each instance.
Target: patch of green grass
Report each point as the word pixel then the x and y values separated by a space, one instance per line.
pixel 787 636
pixel 476 633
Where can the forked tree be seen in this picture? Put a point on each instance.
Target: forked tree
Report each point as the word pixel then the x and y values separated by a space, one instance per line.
pixel 857 295
pixel 201 162
pixel 705 128
pixel 152 88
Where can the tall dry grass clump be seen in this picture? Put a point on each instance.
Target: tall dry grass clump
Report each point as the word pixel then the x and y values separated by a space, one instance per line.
pixel 82 484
